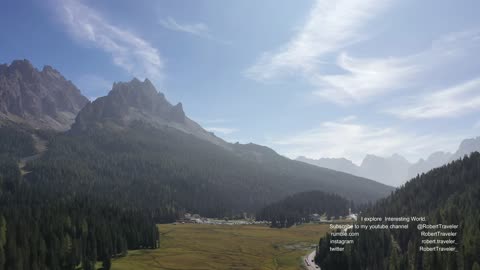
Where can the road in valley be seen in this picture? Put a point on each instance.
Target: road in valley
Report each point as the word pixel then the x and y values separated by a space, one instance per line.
pixel 308 260
pixel 309 263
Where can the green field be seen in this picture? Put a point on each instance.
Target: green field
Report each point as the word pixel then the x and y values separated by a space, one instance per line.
pixel 197 246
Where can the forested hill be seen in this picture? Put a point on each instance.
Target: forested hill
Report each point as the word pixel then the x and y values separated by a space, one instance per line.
pixel 45 225
pixel 168 171
pixel 137 127
pixel 446 195
pixel 298 208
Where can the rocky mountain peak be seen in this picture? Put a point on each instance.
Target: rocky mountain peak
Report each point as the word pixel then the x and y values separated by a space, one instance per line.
pixel 135 96
pixel 137 100
pixel 135 87
pixel 51 72
pixel 399 158
pixel 177 114
pixel 133 100
pixel 22 65
pixel 41 99
pixel 467 146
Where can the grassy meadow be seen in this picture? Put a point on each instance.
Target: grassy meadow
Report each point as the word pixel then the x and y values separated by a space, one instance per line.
pixel 198 246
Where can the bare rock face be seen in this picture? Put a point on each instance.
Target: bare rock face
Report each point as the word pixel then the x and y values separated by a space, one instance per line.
pixel 41 99
pixel 128 101
pixel 177 114
pixel 139 101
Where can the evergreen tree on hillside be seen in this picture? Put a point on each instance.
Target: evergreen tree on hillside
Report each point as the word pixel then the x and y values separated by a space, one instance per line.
pixel 299 207
pixel 446 195
pixel 43 225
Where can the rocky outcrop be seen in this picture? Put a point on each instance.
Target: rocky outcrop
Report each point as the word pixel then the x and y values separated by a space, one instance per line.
pixel 139 101
pixel 177 114
pixel 41 99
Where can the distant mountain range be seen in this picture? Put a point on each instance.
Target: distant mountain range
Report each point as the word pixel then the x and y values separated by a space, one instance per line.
pixel 394 170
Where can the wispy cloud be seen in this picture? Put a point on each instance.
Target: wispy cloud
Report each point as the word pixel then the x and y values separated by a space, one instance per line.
pixel 353 140
pixel 329 30
pixel 222 130
pixel 363 79
pixel 330 26
pixel 451 102
pixel 371 77
pixel 129 51
pixel 197 29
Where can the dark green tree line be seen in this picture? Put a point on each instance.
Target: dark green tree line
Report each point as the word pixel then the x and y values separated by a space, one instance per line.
pixel 297 208
pixel 446 195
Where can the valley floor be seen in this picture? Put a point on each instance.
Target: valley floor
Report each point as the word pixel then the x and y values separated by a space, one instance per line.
pixel 202 246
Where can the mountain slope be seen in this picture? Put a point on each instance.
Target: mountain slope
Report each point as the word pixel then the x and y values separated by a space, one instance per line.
pixel 311 177
pixel 135 145
pixel 40 99
pixel 435 160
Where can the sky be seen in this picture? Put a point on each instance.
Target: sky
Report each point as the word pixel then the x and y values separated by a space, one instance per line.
pixel 317 78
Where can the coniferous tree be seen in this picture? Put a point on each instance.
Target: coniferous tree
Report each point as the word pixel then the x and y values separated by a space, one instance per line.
pixel 446 195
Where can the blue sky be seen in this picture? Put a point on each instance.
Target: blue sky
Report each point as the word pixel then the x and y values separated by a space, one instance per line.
pixel 324 78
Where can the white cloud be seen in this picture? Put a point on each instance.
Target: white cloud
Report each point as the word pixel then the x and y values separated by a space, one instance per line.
pixel 130 52
pixel 354 140
pixel 222 130
pixel 451 102
pixel 334 25
pixel 198 29
pixel 364 78
pixel 330 26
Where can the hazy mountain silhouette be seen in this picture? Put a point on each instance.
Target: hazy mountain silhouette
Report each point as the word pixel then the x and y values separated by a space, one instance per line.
pixel 395 170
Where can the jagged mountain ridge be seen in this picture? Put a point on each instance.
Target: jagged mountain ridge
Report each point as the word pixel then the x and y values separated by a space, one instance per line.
pixel 40 99
pixel 395 170
pixel 337 164
pixel 139 101
pixel 390 170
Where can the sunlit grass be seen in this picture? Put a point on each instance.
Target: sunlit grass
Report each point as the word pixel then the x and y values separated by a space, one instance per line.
pixel 197 246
